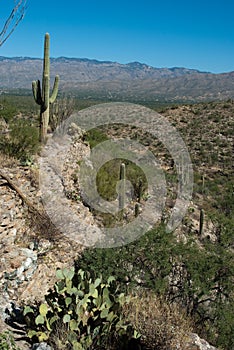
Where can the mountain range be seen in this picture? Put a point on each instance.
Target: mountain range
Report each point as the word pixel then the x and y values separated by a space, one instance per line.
pixel 115 81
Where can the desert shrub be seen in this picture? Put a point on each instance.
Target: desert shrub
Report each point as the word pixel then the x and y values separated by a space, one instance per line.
pixel 13 104
pixel 222 332
pixel 95 136
pixel 61 110
pixel 162 326
pixel 146 262
pixel 200 280
pixel 7 110
pixel 81 312
pixel 219 323
pixel 8 162
pixel 22 140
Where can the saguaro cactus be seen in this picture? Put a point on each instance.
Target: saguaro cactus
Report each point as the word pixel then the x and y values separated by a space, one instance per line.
pixel 42 94
pixel 201 222
pixel 122 186
pixel 140 190
pixel 137 209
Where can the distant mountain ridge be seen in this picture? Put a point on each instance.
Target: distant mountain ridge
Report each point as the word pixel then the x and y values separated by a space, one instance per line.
pixel 113 80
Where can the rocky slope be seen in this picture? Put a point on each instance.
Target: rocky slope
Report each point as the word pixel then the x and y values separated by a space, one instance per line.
pixel 30 251
pixel 31 248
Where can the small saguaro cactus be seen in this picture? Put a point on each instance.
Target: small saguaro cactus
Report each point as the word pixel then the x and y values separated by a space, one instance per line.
pixel 137 209
pixel 42 94
pixel 122 186
pixel 140 190
pixel 201 222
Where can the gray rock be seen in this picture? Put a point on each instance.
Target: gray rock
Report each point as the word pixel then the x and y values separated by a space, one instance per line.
pixel 41 346
pixel 199 344
pixel 29 273
pixel 75 131
pixel 29 253
pixel 28 262
pixel 20 270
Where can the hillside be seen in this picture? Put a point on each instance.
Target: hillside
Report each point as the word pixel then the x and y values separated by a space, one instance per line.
pixel 191 268
pixel 114 81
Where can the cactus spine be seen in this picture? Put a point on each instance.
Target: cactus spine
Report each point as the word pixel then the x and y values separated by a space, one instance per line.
pixel 42 94
pixel 122 187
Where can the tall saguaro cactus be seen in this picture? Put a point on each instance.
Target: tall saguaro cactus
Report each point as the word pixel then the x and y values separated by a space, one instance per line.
pixel 42 94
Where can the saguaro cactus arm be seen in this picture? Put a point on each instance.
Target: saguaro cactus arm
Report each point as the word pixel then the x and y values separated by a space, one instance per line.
pixel 36 88
pixel 41 98
pixel 55 89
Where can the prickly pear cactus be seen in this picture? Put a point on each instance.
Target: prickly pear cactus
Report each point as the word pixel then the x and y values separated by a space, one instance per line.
pixel 88 308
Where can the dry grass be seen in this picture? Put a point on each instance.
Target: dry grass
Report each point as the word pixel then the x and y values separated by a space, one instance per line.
pixel 162 326
pixel 7 161
pixel 59 338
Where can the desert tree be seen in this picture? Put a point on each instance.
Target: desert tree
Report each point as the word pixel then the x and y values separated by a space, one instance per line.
pixel 61 110
pixel 13 20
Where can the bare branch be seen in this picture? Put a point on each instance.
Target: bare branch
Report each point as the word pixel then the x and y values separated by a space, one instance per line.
pixel 16 15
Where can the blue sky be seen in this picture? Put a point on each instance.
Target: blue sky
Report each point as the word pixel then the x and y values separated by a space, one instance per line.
pixel 193 34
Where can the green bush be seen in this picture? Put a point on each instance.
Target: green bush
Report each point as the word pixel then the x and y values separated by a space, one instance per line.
pixel 22 142
pixel 13 104
pixel 7 110
pixel 81 312
pixel 94 137
pixel 199 279
pixel 146 262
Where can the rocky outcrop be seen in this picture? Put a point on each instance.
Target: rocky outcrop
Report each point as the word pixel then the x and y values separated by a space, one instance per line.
pixel 196 343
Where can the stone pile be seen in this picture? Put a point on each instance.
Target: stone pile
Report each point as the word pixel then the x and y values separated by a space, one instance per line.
pixel 17 260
